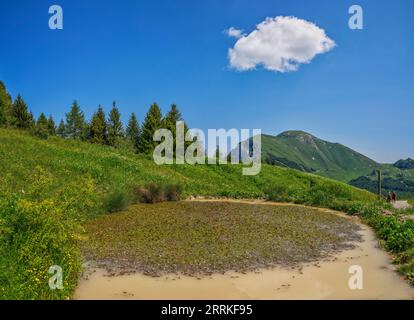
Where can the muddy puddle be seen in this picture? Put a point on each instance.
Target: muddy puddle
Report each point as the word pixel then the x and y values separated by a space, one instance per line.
pixel 323 280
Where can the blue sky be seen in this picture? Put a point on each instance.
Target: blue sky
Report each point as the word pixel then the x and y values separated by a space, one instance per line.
pixel 136 52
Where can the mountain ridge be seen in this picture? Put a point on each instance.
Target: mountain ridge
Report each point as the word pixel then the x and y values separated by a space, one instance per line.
pixel 304 151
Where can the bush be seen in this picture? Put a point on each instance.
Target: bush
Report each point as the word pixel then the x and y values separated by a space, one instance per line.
pixel 41 227
pixel 155 193
pixel 398 235
pixel 116 201
pixel 173 192
pixel 277 193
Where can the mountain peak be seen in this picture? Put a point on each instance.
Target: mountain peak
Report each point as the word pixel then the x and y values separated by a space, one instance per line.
pixel 294 134
pixel 301 136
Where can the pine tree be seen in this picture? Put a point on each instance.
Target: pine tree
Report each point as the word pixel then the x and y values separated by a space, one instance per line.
pixel 41 128
pixel 23 119
pixel 98 128
pixel 75 122
pixel 61 130
pixel 6 104
pixel 115 131
pixel 152 122
pixel 51 127
pixel 133 131
pixel 32 121
pixel 169 122
pixel 170 119
pixel 3 120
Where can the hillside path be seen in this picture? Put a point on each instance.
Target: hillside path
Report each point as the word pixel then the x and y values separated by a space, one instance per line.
pixel 401 204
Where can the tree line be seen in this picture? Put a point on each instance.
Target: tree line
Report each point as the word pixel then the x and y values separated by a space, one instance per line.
pixel 101 129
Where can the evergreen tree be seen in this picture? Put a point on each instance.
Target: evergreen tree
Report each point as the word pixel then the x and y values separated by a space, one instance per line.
pixel 152 122
pixel 61 130
pixel 3 120
pixel 51 127
pixel 169 122
pixel 98 128
pixel 170 119
pixel 23 119
pixel 115 131
pixel 133 131
pixel 41 128
pixel 32 121
pixel 6 104
pixel 75 122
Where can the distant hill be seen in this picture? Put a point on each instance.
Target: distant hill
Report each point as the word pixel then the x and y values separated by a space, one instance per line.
pixel 303 151
pixel 407 164
pixel 393 179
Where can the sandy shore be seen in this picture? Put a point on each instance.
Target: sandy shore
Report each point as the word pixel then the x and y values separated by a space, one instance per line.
pixel 323 280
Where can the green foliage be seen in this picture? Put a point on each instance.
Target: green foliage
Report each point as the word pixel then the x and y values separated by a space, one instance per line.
pixel 22 118
pixel 405 261
pixel 40 227
pixel 321 193
pixel 277 193
pixel 116 201
pixel 170 122
pixel 394 180
pixel 396 232
pixel 406 164
pixel 173 192
pixel 6 110
pixel 150 193
pixel 133 132
pixel 3 120
pixel 42 127
pixel 157 192
pixel 61 129
pixel 51 127
pixel 98 130
pixel 75 122
pixel 152 122
pixel 115 131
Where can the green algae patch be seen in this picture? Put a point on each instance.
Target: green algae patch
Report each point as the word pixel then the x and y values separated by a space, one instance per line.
pixel 201 238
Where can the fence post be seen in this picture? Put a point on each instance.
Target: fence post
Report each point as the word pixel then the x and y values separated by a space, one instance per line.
pixel 379 185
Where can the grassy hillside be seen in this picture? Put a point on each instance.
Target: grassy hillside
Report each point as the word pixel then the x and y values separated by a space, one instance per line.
pixel 49 188
pixel 393 179
pixel 302 151
pixel 405 164
pixel 312 154
pixel 112 169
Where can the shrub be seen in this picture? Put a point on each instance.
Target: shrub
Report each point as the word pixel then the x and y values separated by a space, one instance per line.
pixel 276 193
pixel 116 201
pixel 154 193
pixel 40 228
pixel 173 192
pixel 151 193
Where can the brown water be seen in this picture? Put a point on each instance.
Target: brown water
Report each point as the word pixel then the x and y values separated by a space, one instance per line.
pixel 323 280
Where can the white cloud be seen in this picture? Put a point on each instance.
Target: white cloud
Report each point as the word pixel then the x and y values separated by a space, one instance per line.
pixel 278 44
pixel 235 33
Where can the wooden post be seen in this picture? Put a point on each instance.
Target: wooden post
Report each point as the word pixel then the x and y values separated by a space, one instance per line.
pixel 379 185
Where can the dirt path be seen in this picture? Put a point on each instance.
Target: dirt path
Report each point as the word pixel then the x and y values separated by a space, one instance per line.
pixel 402 204
pixel 326 279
